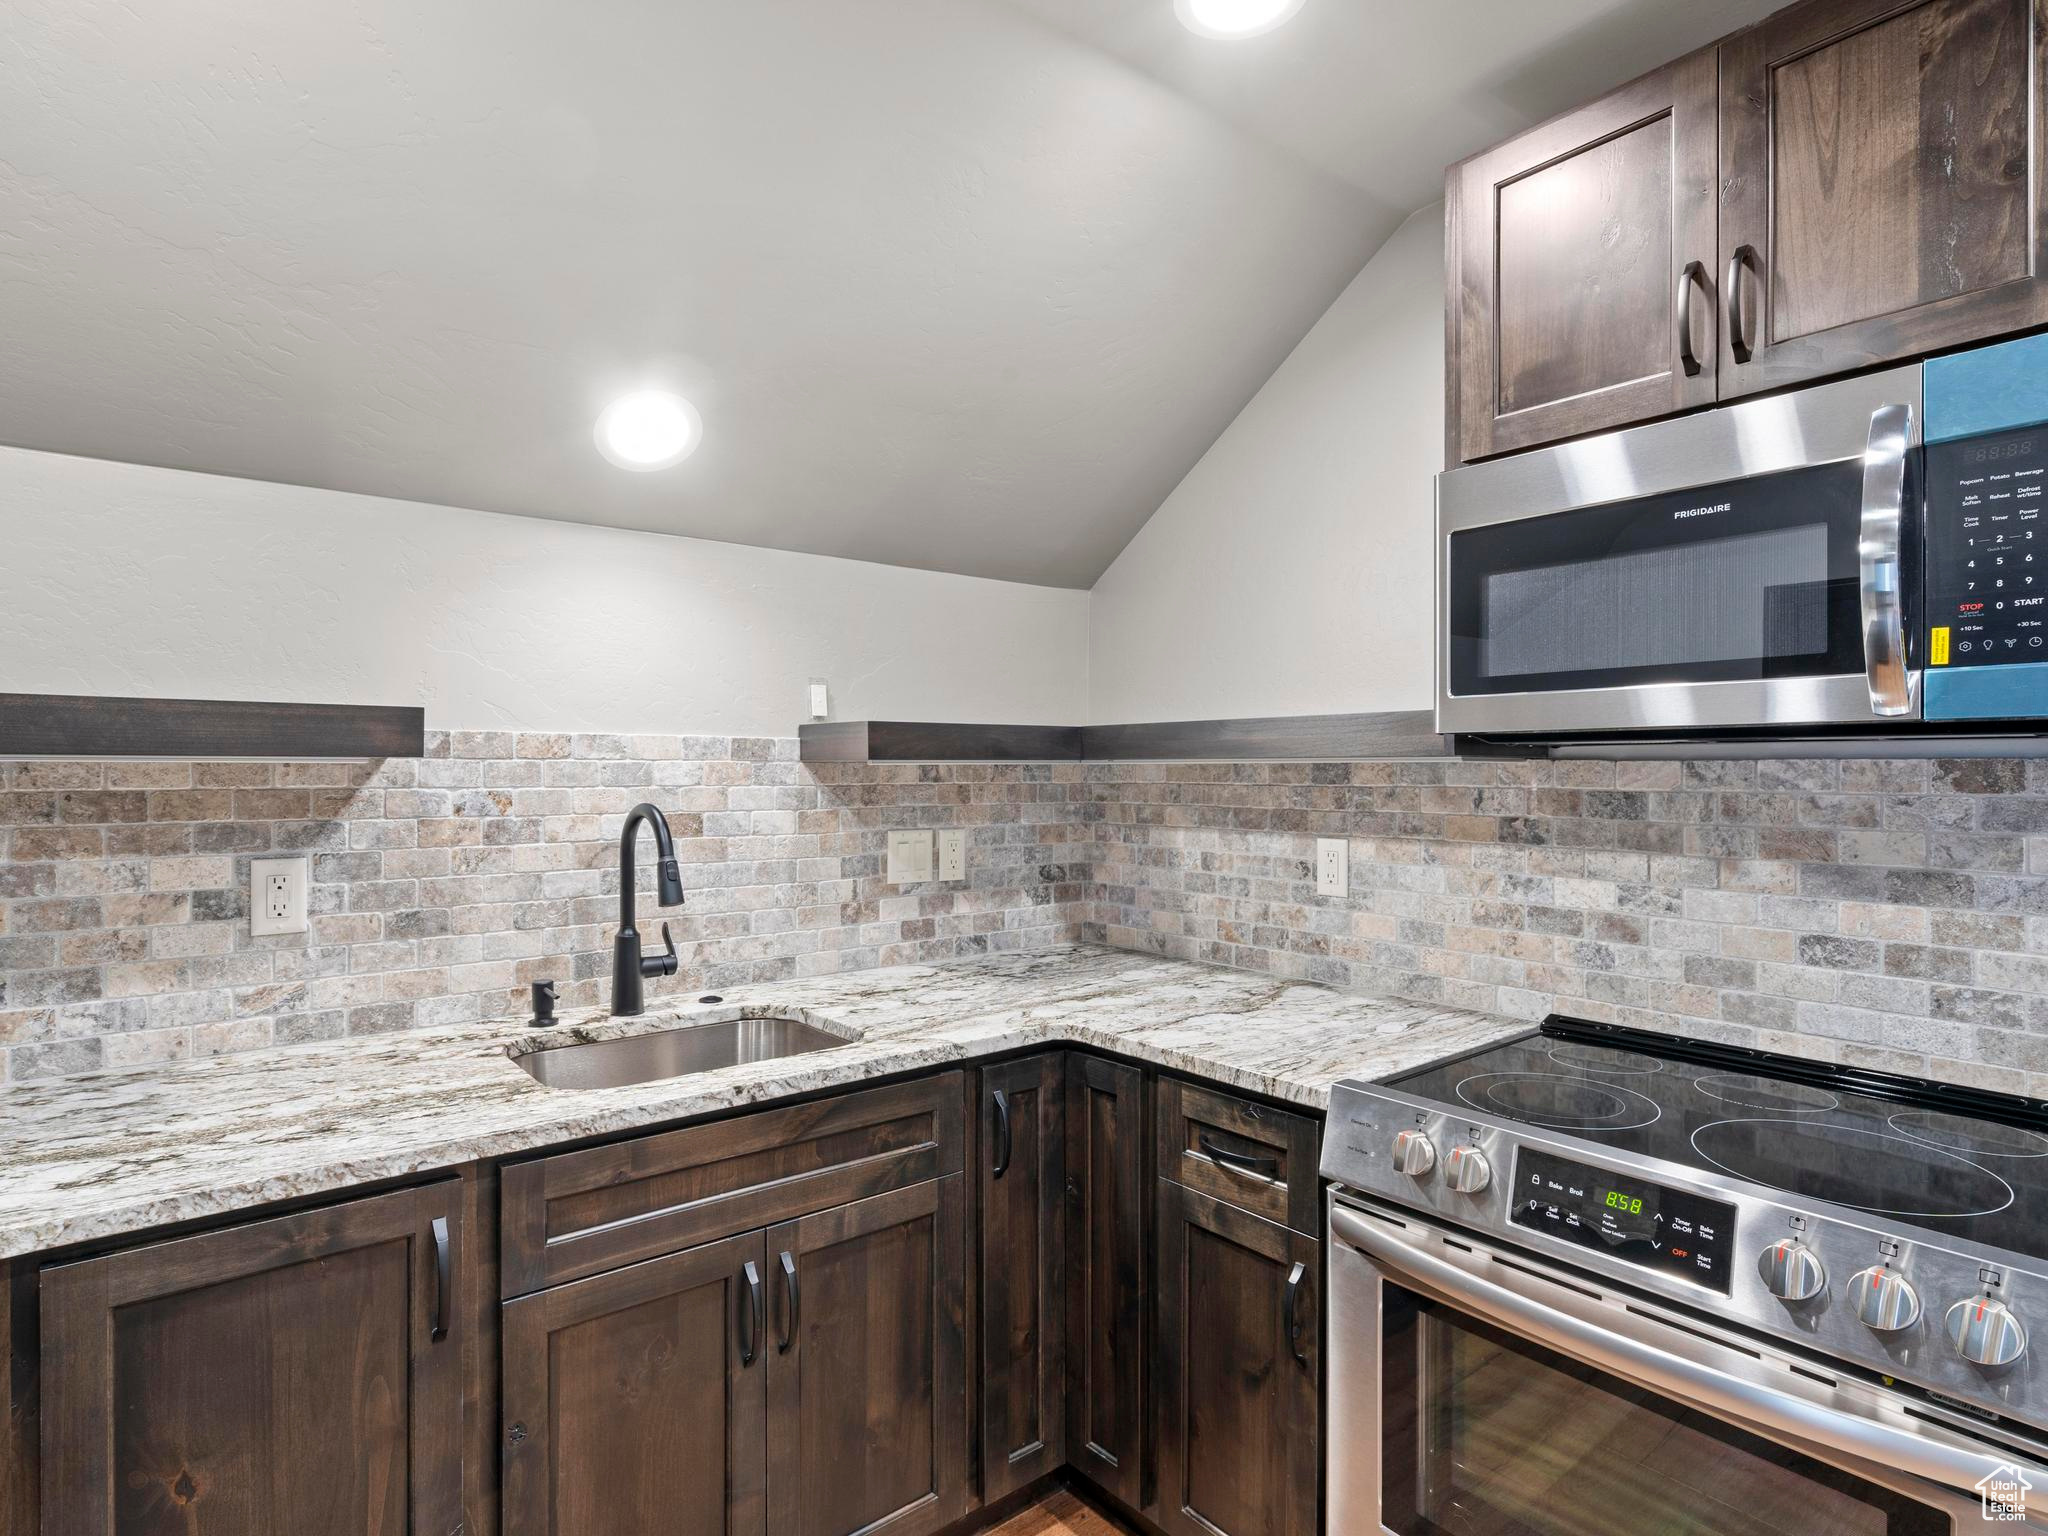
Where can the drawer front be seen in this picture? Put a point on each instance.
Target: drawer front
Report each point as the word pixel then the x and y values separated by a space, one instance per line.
pixel 581 1213
pixel 1257 1158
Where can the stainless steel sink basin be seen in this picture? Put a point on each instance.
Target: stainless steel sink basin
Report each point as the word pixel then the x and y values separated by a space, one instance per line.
pixel 673 1052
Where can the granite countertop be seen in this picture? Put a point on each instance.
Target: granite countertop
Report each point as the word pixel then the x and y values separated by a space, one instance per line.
pixel 102 1154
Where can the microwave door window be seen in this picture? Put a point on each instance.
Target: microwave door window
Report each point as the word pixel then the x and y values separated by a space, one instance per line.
pixel 1750 580
pixel 1747 598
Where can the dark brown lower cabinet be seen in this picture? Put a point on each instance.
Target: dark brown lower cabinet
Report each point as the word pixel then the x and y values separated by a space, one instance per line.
pixel 637 1401
pixel 300 1374
pixel 1239 1357
pixel 867 1387
pixel 1107 1246
pixel 1023 1272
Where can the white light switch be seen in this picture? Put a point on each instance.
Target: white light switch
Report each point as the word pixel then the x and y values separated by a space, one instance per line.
pixel 910 857
pixel 1333 866
pixel 277 896
pixel 953 854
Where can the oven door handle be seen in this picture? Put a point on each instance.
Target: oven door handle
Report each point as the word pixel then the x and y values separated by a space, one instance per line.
pixel 1746 1403
pixel 1879 545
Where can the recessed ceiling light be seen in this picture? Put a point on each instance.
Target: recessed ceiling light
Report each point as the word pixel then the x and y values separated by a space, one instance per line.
pixel 1233 18
pixel 649 429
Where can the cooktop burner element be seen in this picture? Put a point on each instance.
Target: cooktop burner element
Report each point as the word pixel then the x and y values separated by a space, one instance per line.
pixel 1765 1093
pixel 1866 1170
pixel 1948 1172
pixel 1566 1103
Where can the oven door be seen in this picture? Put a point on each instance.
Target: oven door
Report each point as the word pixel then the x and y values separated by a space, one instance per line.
pixel 1479 1393
pixel 1751 567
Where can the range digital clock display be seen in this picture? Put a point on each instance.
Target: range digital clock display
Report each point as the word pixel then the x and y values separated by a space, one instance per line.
pixel 1669 1230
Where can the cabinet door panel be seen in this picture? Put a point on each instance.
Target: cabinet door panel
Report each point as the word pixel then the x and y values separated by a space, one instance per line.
pixel 1024 1273
pixel 1107 1299
pixel 1238 1366
pixel 637 1401
pixel 1881 162
pixel 867 1396
pixel 300 1374
pixel 1578 252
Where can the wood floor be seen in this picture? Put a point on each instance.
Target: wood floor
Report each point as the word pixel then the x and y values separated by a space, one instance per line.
pixel 1058 1514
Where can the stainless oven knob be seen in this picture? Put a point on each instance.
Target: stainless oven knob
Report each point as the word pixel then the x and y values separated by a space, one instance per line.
pixel 1465 1170
pixel 1414 1153
pixel 1985 1332
pixel 1883 1299
pixel 1792 1271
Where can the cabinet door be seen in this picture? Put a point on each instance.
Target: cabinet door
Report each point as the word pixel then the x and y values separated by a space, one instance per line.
pixel 867 1393
pixel 1023 1265
pixel 300 1375
pixel 1882 162
pixel 1106 1280
pixel 1238 1364
pixel 637 1401
pixel 1580 296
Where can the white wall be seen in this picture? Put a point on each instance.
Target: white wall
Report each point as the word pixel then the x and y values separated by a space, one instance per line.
pixel 1290 572
pixel 120 579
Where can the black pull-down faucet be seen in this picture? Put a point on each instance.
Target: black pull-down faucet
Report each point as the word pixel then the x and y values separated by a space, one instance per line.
pixel 628 966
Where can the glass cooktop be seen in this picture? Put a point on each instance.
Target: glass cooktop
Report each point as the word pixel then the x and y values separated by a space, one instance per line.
pixel 1920 1162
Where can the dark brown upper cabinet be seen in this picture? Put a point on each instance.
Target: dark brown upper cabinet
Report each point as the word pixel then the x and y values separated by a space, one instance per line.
pixel 867 1387
pixel 1881 173
pixel 1024 1272
pixel 637 1401
pixel 1879 165
pixel 301 1374
pixel 1579 291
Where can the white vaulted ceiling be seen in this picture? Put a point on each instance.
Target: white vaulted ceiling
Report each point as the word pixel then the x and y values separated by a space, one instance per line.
pixel 959 284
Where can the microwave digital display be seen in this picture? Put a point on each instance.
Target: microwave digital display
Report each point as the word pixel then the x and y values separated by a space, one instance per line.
pixel 1987 561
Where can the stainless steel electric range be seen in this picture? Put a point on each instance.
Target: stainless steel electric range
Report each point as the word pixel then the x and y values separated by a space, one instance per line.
pixel 1593 1279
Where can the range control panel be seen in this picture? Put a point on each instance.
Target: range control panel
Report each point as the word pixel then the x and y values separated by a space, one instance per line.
pixel 1987 550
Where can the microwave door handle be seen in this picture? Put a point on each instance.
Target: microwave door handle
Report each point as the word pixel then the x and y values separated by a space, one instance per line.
pixel 1748 1403
pixel 1878 549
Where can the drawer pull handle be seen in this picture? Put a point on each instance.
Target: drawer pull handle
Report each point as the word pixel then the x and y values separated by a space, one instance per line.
pixel 789 1304
pixel 1237 1162
pixel 1290 1311
pixel 750 1314
pixel 1001 1165
pixel 439 1331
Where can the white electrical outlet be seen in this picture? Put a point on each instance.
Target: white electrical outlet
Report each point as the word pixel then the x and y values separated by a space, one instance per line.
pixel 953 854
pixel 277 896
pixel 910 857
pixel 1333 866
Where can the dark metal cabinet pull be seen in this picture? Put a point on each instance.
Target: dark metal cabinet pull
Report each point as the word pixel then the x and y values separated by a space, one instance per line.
pixel 789 1301
pixel 1001 1165
pixel 1223 1157
pixel 750 1313
pixel 1738 324
pixel 1688 354
pixel 1290 1311
pixel 439 1330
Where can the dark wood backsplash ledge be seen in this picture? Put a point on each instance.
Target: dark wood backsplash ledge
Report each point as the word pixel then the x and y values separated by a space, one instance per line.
pixel 91 725
pixel 1401 733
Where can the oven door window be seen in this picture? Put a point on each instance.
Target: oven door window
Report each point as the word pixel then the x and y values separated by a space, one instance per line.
pixel 1742 581
pixel 1489 1435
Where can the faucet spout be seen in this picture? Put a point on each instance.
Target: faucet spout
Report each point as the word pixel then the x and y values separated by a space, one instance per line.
pixel 629 966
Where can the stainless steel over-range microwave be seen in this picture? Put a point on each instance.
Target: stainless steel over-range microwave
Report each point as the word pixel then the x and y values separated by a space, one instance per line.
pixel 1862 556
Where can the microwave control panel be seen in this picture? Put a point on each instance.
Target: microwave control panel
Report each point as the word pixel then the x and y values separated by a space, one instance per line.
pixel 1987 550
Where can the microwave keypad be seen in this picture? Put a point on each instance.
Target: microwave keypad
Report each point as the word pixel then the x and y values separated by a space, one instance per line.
pixel 1987 549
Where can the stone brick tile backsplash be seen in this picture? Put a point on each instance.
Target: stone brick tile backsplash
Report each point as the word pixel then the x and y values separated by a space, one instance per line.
pixel 442 886
pixel 1893 913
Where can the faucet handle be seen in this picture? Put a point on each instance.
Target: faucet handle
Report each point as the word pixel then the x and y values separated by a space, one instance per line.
pixel 662 965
